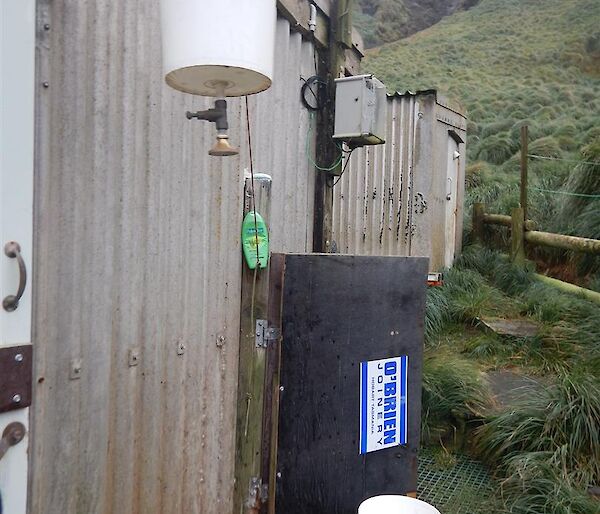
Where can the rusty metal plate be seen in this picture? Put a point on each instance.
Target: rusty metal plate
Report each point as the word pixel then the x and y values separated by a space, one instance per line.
pixel 15 377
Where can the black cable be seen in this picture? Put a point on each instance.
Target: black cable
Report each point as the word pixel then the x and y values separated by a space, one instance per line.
pixel 315 53
pixel 319 96
pixel 345 166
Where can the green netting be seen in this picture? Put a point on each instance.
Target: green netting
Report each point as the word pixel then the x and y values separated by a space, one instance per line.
pixel 463 486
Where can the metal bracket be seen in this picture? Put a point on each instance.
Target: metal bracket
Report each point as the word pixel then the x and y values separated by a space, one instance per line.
pixel 15 377
pixel 257 493
pixel 265 334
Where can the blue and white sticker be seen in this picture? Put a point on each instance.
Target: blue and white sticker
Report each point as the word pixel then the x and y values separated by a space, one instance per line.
pixel 383 420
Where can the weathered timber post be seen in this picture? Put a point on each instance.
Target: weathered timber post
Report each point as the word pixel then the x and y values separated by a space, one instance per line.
pixel 331 66
pixel 524 163
pixel 518 237
pixel 248 491
pixel 478 222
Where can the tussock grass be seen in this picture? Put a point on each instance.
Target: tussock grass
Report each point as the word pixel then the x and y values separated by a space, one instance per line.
pixel 561 422
pixel 536 486
pixel 454 393
pixel 570 325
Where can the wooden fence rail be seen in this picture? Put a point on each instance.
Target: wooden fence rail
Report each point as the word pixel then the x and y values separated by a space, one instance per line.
pixel 525 231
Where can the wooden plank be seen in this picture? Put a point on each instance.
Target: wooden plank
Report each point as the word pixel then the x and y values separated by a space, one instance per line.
pixel 251 372
pixel 339 311
pixel 344 23
pixel 297 12
pixel 331 65
pixel 271 398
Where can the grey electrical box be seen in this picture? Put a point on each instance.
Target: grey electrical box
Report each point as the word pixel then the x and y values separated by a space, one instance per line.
pixel 360 110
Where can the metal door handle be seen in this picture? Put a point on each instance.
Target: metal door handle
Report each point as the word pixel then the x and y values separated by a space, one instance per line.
pixel 13 434
pixel 12 249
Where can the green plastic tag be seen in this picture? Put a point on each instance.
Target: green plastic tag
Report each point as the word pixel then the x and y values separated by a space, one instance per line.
pixel 254 229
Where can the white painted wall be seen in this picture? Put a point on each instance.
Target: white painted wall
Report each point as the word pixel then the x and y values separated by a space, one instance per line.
pixel 17 68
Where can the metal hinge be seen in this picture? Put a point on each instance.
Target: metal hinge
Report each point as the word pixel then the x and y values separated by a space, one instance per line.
pixel 257 493
pixel 265 334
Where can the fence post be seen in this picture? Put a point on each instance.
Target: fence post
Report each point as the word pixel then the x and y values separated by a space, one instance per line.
pixel 478 223
pixel 524 163
pixel 518 236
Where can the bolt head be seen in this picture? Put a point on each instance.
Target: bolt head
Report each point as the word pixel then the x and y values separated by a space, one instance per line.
pixel 19 357
pixel 16 398
pixel 281 388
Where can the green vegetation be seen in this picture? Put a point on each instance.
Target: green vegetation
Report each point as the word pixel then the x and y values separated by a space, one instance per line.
pixel 557 426
pixel 514 63
pixel 382 21
pixel 454 393
pixel 545 447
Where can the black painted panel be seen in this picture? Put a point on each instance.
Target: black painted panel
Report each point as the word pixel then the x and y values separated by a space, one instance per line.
pixel 337 312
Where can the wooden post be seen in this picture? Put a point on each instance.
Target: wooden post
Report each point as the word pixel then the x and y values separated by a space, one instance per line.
pixel 251 373
pixel 518 236
pixel 478 222
pixel 331 66
pixel 271 400
pixel 524 162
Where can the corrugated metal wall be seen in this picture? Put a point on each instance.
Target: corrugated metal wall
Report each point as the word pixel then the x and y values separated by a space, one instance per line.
pixel 391 199
pixel 373 200
pixel 137 263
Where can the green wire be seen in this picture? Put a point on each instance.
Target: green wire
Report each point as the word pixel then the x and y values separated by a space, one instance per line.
pixel 582 195
pixel 574 161
pixel 307 149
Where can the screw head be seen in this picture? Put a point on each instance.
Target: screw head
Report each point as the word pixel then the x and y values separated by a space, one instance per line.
pixel 281 388
pixel 46 84
pixel 19 357
pixel 46 26
pixel 16 398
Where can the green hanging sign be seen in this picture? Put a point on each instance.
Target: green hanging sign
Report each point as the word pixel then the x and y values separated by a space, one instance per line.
pixel 254 230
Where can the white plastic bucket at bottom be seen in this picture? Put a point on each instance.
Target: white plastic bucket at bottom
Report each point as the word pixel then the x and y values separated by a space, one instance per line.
pixel 391 504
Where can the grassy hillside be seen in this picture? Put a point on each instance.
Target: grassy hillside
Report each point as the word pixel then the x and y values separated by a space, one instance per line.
pixel 515 62
pixel 382 21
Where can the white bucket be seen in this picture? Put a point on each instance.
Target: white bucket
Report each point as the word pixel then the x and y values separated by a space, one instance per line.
pixel 390 504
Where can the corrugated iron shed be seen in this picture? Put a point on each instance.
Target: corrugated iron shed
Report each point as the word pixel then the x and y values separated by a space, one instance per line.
pixel 137 263
pixel 392 198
